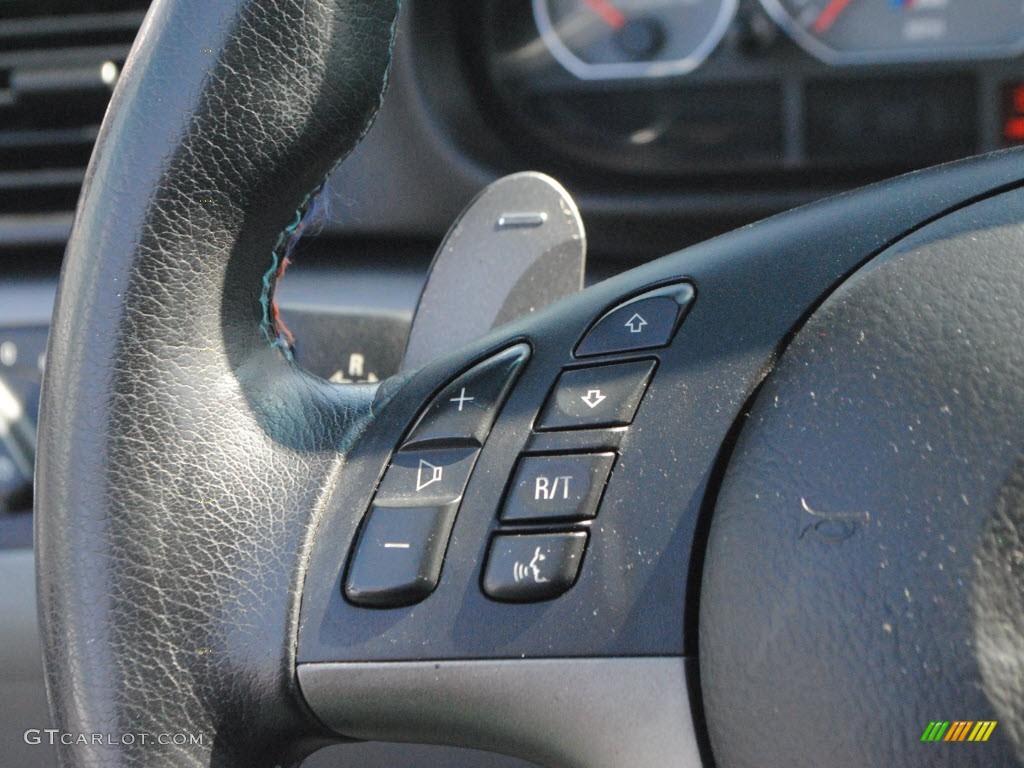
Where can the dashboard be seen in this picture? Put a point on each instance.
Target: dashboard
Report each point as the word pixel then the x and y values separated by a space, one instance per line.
pixel 759 93
pixel 670 121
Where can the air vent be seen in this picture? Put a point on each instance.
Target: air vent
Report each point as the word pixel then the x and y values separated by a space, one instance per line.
pixel 59 61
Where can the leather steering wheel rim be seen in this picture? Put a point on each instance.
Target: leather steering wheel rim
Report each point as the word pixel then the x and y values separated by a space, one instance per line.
pixel 181 453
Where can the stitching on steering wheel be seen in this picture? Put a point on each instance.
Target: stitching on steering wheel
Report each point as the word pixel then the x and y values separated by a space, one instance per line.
pixel 273 326
pixel 276 333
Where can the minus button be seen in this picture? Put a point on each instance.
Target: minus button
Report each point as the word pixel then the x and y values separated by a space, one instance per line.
pixel 398 556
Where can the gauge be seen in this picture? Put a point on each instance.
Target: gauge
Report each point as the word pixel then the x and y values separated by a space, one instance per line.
pixel 607 39
pixel 865 31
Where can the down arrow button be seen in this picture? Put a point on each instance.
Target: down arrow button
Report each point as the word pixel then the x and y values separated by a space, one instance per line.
pixel 598 396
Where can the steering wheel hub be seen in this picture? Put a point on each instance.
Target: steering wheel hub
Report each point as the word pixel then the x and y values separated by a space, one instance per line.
pixel 855 591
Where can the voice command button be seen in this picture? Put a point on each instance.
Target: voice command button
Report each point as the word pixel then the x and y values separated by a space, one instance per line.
pixel 533 567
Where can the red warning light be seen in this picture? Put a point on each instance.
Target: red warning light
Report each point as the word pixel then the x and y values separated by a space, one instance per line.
pixel 1013 114
pixel 1013 129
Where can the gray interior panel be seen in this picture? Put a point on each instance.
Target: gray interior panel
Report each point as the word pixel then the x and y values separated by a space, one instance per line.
pixel 22 697
pixel 590 713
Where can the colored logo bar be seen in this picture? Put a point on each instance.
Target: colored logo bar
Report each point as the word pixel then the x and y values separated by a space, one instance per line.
pixel 958 730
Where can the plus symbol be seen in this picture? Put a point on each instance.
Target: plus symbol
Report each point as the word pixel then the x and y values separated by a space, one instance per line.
pixel 462 399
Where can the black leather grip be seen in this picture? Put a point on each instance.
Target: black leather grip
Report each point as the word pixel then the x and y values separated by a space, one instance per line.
pixel 181 453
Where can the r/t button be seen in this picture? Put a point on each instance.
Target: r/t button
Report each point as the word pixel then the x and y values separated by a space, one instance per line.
pixel 557 487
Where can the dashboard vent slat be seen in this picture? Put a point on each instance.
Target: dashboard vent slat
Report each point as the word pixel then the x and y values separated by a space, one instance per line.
pixel 59 60
pixel 28 9
pixel 79 31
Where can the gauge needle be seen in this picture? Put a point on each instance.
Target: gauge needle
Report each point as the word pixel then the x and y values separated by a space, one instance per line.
pixel 609 14
pixel 829 15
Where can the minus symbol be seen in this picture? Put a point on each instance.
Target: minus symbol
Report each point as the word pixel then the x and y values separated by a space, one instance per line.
pixel 520 220
pixel 395 545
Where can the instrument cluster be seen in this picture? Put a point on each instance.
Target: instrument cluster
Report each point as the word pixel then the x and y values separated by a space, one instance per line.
pixel 677 88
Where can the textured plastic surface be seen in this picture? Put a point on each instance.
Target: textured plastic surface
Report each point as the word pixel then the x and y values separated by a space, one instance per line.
pixel 560 713
pixel 855 551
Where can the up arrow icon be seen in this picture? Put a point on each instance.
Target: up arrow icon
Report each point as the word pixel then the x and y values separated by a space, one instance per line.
pixel 635 323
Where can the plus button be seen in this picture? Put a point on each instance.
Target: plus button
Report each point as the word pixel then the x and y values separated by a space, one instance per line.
pixel 462 399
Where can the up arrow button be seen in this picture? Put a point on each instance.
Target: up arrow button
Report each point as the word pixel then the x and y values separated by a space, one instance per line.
pixel 636 323
pixel 647 321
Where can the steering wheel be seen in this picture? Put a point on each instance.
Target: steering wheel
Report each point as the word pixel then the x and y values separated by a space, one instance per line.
pixel 800 536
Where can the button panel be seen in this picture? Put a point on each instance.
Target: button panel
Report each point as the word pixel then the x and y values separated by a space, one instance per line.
pixel 398 557
pixel 543 521
pixel 644 322
pixel 557 487
pixel 533 567
pixel 467 407
pixel 600 396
